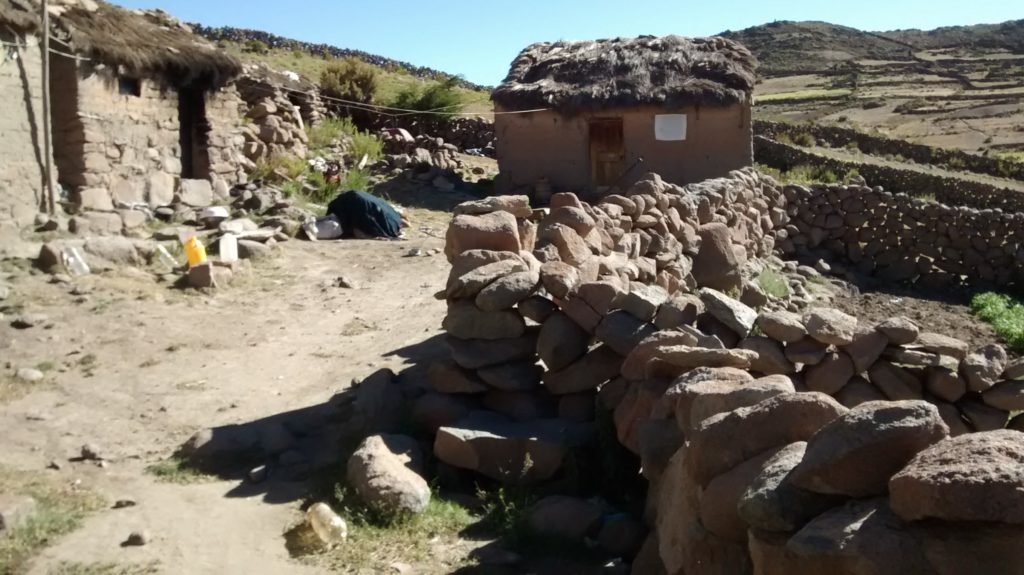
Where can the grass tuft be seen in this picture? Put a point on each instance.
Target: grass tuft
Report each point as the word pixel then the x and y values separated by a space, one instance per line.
pixel 60 510
pixel 177 470
pixel 1005 314
pixel 773 283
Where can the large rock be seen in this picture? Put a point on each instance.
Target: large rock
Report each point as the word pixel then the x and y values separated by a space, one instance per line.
pixel 477 353
pixel 589 372
pixel 508 291
pixel 807 351
pixel 861 538
pixel 865 349
pixel 1006 395
pixel 432 411
pixel 513 453
pixel 945 384
pixel 466 321
pixel 495 231
pixel 981 416
pixel 735 315
pixel 720 499
pixel 783 326
pixel 622 331
pixel 942 345
pixel 559 278
pixel 116 251
pixel 643 301
pixel 518 206
pixel 856 454
pixel 974 477
pixel 515 376
pixel 195 193
pixel 561 342
pixel 380 471
pixel 895 382
pixel 899 330
pixel 772 503
pixel 686 357
pixel 709 398
pixel 602 295
pixel 771 357
pixel 982 367
pixel 469 284
pixel 572 216
pixel 680 309
pixel 447 377
pixel 571 247
pixel 831 374
pixel 830 326
pixel 569 518
pixel 537 308
pixel 857 391
pixel 715 265
pixel 726 440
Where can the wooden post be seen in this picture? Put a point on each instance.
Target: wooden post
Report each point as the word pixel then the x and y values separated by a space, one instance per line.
pixel 51 203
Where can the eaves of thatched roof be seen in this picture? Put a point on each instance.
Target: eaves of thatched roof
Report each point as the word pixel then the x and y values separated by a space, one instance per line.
pixel 668 71
pixel 149 43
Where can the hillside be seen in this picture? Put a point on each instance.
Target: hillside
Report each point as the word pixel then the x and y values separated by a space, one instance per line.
pixel 956 87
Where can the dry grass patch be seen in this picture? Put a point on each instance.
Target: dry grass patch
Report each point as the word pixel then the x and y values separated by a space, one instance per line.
pixel 76 568
pixel 179 471
pixel 60 510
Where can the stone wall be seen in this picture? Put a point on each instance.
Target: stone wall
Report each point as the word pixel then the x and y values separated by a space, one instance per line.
pixel 947 190
pixel 772 442
pixel 21 171
pixel 464 133
pixel 899 238
pixel 838 137
pixel 278 125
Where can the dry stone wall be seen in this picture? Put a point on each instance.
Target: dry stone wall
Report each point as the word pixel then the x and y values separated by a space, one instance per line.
pixel 947 190
pixel 899 238
pixel 772 442
pixel 21 172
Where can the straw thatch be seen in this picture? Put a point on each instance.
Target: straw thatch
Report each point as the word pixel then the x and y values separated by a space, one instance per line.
pixel 625 72
pixel 149 43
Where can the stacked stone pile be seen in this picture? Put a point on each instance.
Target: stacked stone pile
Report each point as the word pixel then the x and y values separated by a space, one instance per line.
pixel 898 238
pixel 772 442
pixel 403 151
pixel 276 129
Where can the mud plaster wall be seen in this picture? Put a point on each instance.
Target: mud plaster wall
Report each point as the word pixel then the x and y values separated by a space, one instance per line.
pixel 549 145
pixel 21 171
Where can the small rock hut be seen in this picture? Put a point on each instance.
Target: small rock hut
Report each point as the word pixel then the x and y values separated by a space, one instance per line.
pixel 613 110
pixel 138 103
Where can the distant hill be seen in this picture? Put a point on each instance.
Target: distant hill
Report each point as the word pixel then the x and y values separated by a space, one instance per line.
pixel 242 36
pixel 786 47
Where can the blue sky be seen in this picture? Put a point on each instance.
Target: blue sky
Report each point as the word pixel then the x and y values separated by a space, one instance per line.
pixel 480 39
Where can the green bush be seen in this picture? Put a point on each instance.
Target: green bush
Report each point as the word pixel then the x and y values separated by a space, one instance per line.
pixel 1005 314
pixel 256 47
pixel 438 96
pixel 773 283
pixel 804 139
pixel 349 79
pixel 356 180
pixel 363 142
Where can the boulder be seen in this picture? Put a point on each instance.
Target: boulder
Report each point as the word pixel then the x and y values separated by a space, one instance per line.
pixel 561 342
pixel 466 321
pixel 1014 369
pixel 830 326
pixel 622 535
pixel 942 345
pixel 571 247
pixel 508 291
pixel 1005 395
pixel 589 372
pixel 974 477
pixel 726 440
pixel 253 250
pixel 559 278
pixel 514 376
pixel 432 411
pixel 831 374
pixel 899 330
pixel 513 453
pixel 982 417
pixel 195 193
pixel 865 349
pixel 857 391
pixel 678 398
pixel 720 499
pixel 381 473
pixel 807 351
pixel 569 518
pixel 735 315
pixel 602 295
pixel 680 309
pixel 771 357
pixel 643 301
pixel 856 454
pixel 446 376
pixel 945 384
pixel 772 503
pixel 521 405
pixel 495 231
pixel 518 206
pixel 715 265
pixel 477 353
pixel 581 313
pixel 983 367
pixel 622 331
pixel 782 326
pixel 572 216
pixel 709 398
pixel 895 382
pixel 686 357
pixel 537 308
pixel 470 283
pixel 470 260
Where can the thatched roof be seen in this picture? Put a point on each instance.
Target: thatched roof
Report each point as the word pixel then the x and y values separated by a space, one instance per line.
pixel 625 72
pixel 149 43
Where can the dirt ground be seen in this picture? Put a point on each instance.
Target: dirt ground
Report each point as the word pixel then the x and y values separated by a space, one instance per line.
pixel 135 367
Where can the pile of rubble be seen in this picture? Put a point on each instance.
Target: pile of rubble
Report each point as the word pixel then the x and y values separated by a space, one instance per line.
pixel 280 107
pixel 403 151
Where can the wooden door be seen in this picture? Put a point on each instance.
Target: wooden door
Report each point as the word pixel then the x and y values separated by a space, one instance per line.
pixel 607 151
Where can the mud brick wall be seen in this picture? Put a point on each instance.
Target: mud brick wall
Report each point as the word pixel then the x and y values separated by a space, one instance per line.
pixel 772 442
pixel 951 191
pixel 22 169
pixel 899 238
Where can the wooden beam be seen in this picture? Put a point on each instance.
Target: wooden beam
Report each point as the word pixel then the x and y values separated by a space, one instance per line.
pixel 51 202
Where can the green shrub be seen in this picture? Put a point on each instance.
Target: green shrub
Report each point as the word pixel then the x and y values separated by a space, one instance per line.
pixel 349 79
pixel 773 283
pixel 438 96
pixel 1005 314
pixel 356 180
pixel 804 139
pixel 256 47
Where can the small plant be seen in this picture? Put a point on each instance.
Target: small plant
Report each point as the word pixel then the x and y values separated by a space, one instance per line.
pixel 1005 314
pixel 256 47
pixel 177 470
pixel 349 79
pixel 804 139
pixel 773 283
pixel 355 180
pixel 505 512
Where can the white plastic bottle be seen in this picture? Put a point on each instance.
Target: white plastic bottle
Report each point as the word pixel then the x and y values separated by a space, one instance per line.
pixel 330 528
pixel 228 248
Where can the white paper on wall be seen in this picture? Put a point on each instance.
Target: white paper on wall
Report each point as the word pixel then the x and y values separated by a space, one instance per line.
pixel 670 127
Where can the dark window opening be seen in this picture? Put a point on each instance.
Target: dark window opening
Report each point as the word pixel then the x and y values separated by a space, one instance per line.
pixel 129 86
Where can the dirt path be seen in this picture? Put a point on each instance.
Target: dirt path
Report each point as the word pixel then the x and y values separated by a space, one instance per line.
pixel 137 367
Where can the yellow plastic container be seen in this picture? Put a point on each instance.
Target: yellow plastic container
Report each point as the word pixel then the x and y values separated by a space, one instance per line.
pixel 195 251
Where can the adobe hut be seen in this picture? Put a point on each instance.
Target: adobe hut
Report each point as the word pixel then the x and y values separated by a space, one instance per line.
pixel 137 104
pixel 682 105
